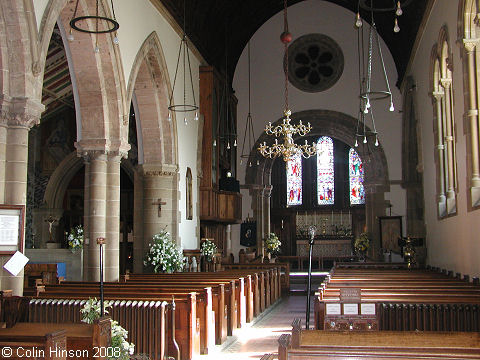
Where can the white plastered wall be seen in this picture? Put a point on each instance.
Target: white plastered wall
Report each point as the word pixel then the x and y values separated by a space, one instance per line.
pixel 267 87
pixel 138 19
pixel 452 242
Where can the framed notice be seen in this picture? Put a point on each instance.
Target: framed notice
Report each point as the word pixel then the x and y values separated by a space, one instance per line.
pixel 12 218
pixel 390 232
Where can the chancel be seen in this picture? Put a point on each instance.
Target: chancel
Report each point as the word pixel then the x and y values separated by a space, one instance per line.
pixel 353 202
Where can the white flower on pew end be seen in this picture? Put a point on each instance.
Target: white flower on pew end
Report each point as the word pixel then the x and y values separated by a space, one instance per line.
pixel 122 349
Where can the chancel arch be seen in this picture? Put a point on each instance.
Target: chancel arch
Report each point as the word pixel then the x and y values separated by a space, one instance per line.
pixel 338 126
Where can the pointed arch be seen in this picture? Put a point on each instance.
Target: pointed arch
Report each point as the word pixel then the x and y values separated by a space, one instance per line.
pixel 150 83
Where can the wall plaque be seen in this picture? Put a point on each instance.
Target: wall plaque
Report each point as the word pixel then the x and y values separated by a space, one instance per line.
pixel 11 228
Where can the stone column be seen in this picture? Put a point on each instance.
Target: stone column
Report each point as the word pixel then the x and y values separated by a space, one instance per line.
pixel 160 201
pixel 374 207
pixel 112 246
pixel 267 192
pixel 138 248
pixel 257 207
pixel 97 181
pixel 449 138
pixel 22 114
pixel 86 219
pixel 441 198
pixel 472 114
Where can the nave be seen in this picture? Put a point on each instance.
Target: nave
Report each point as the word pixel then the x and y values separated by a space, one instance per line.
pixel 260 338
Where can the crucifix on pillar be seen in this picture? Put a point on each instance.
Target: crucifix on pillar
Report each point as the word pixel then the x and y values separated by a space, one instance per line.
pixel 159 202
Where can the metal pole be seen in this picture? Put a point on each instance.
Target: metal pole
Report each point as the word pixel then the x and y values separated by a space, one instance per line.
pixel 311 231
pixel 101 242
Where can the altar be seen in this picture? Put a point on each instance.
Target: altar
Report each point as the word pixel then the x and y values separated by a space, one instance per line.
pixel 326 247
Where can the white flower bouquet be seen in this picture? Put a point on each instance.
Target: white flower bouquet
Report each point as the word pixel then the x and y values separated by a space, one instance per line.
pixel 75 238
pixel 164 255
pixel 272 244
pixel 120 348
pixel 208 249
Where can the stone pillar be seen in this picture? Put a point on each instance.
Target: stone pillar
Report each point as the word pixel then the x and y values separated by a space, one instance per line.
pixel 86 219
pixel 228 249
pixel 97 178
pixel 472 114
pixel 257 207
pixel 449 138
pixel 266 194
pixel 112 246
pixel 374 207
pixel 138 248
pixel 18 116
pixel 441 198
pixel 160 201
pixel 3 155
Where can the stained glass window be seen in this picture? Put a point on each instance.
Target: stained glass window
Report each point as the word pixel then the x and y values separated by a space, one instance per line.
pixel 294 180
pixel 325 171
pixel 355 171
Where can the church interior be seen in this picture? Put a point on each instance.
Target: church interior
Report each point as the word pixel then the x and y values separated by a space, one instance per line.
pixel 241 180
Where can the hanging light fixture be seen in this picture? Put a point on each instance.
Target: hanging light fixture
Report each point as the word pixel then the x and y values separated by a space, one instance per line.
pixel 287 131
pixel 369 55
pixel 249 135
pixel 103 24
pixel 184 57
pixel 226 135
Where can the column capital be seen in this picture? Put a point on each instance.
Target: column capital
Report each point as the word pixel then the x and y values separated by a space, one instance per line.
pixel 20 112
pixel 446 82
pixel 103 146
pixel 162 170
pixel 470 45
pixel 438 95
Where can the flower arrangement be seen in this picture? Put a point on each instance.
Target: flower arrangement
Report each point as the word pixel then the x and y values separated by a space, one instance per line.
pixel 362 243
pixel 120 348
pixel 273 244
pixel 164 255
pixel 208 249
pixel 75 238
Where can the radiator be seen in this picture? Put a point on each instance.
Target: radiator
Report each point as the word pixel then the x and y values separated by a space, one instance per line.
pixel 145 321
pixel 429 317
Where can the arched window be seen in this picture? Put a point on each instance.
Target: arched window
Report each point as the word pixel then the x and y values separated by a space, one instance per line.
pixel 294 180
pixel 444 126
pixel 325 172
pixel 355 172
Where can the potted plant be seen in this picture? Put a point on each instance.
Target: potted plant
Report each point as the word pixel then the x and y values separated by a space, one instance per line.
pixel 163 255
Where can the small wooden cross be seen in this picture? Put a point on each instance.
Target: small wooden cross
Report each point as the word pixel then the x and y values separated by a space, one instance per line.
pixel 159 202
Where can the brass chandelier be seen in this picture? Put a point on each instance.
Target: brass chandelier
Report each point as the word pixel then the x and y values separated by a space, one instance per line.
pixel 286 130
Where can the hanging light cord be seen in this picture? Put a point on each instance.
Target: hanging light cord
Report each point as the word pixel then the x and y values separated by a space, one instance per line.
pixel 285 31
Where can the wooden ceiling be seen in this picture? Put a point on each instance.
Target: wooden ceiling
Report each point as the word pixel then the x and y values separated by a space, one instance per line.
pixel 208 20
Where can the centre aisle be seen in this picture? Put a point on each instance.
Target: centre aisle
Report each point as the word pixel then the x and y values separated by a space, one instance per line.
pixel 254 341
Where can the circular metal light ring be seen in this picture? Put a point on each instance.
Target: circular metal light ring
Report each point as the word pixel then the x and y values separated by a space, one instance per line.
pixel 113 22
pixel 363 4
pixel 375 95
pixel 183 108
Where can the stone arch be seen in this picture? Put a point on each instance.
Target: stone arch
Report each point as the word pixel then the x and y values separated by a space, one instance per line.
pixel 467 28
pixel 444 53
pixel 329 123
pixel 342 127
pixel 150 84
pixel 100 79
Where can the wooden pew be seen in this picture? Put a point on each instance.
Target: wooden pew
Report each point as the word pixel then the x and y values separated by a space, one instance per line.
pixel 380 345
pixel 145 320
pixel 396 300
pixel 83 341
pixel 47 345
pixel 148 291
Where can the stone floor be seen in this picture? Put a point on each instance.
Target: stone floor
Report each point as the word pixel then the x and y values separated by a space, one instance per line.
pixel 255 340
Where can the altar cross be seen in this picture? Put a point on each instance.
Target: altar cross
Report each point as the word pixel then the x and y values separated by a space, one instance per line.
pixel 159 202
